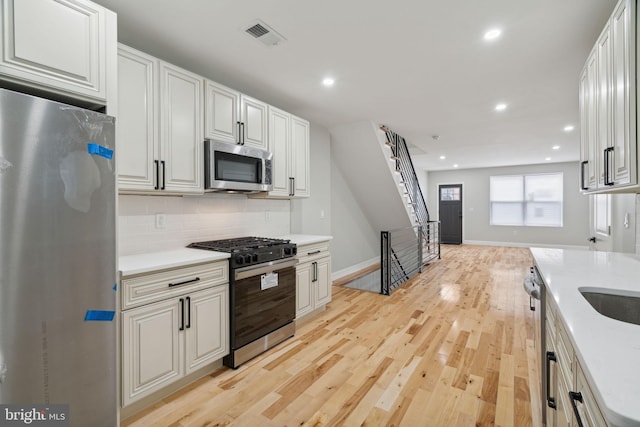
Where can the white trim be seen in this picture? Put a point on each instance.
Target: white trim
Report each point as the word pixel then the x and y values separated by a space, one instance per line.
pixel 336 275
pixel 522 244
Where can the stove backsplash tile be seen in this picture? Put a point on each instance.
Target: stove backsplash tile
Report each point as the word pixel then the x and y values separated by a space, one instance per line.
pixel 192 219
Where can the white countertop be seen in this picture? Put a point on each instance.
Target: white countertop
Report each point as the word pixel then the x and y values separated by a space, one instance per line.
pixel 144 263
pixel 608 350
pixel 305 239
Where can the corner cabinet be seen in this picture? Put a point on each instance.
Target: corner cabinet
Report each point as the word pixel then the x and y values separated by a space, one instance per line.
pixel 233 117
pixel 289 143
pixel 174 322
pixel 567 391
pixel 62 46
pixel 313 278
pixel 607 90
pixel 159 128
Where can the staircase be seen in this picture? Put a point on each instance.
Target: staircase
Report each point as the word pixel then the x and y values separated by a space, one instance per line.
pixel 376 163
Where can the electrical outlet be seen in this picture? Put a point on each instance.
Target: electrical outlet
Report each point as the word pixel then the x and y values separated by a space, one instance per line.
pixel 321 213
pixel 267 216
pixel 160 220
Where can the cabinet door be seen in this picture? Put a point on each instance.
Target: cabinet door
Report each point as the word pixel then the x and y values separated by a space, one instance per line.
pixel 151 349
pixel 304 291
pixel 279 145
pixel 222 113
pixel 594 156
pixel 136 130
pixel 300 156
pixel 604 98
pixel 206 327
pixel 181 130
pixel 623 99
pixel 585 161
pixel 56 44
pixel 322 284
pixel 254 118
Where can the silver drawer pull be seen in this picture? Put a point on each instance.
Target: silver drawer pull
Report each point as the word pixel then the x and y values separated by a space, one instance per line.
pixel 314 252
pixel 171 285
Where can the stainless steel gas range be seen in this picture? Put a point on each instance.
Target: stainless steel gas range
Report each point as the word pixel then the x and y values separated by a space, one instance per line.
pixel 262 290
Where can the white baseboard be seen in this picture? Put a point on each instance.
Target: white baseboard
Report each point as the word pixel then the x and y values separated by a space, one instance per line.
pixel 336 275
pixel 522 245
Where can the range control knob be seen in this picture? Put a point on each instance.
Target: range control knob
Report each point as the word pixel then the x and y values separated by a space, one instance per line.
pixel 287 250
pixel 254 257
pixel 239 259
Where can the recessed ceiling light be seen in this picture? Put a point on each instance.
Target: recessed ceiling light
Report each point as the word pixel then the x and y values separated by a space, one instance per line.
pixel 492 34
pixel 547 158
pixel 328 81
pixel 569 128
pixel 501 107
pixel 443 157
pixel 455 165
pixel 555 147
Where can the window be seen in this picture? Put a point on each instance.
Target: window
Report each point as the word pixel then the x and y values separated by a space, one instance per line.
pixel 449 193
pixel 526 200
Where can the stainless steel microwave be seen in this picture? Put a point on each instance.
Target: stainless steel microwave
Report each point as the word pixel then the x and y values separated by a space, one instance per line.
pixel 236 168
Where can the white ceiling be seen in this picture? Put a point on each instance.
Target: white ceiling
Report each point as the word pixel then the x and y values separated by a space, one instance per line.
pixel 421 67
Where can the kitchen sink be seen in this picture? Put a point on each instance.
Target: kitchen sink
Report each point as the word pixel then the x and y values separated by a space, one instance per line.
pixel 625 308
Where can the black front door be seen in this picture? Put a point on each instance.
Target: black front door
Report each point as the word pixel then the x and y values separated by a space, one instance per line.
pixel 450 204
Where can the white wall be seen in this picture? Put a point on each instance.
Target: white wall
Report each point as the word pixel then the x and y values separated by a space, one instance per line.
pixel 313 215
pixel 476 227
pixel 354 239
pixel 638 224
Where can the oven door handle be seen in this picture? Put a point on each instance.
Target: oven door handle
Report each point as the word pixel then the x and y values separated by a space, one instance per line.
pixel 264 268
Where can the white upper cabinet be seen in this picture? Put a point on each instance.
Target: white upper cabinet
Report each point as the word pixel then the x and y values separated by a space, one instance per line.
pixel 300 157
pixel 233 117
pixel 222 113
pixel 289 143
pixel 159 128
pixel 609 161
pixel 137 126
pixel 253 126
pixel 181 141
pixel 62 46
pixel 279 145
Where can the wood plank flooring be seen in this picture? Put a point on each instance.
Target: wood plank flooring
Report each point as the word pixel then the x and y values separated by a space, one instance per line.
pixel 453 347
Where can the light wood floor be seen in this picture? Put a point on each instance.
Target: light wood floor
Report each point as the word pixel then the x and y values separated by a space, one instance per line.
pixel 453 347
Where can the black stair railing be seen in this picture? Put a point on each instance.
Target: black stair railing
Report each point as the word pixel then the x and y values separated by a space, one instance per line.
pixel 401 257
pixel 418 206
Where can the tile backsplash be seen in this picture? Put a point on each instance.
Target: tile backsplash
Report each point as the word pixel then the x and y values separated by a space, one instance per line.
pixel 183 220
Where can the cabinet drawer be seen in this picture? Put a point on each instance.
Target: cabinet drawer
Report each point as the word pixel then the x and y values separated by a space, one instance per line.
pixel 588 409
pixel 310 252
pixel 550 321
pixel 148 288
pixel 565 351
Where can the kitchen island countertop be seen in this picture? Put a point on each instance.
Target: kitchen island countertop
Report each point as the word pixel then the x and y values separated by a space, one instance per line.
pixel 608 350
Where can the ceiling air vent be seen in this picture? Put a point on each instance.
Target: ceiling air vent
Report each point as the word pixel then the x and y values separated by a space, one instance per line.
pixel 266 35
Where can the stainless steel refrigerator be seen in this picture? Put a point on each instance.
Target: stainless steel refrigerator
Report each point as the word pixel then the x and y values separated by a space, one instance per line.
pixel 57 258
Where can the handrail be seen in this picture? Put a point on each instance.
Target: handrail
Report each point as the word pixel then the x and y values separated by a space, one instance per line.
pixel 404 166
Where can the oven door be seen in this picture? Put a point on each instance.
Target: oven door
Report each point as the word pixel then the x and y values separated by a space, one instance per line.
pixel 263 299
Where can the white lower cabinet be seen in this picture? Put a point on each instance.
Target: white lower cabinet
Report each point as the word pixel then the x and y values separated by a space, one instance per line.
pixel 313 278
pixel 165 340
pixel 567 386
